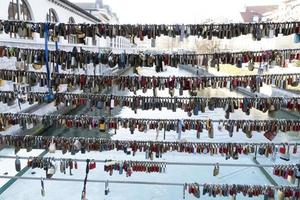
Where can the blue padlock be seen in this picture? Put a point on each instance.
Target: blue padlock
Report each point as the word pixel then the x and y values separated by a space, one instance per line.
pixel 49 97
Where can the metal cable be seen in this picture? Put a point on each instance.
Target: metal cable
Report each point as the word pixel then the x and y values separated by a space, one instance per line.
pixel 59 116
pixel 50 138
pixel 60 75
pixel 89 95
pixel 167 163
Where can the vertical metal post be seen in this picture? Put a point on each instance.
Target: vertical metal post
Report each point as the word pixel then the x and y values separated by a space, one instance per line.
pixel 13 10
pixel 18 9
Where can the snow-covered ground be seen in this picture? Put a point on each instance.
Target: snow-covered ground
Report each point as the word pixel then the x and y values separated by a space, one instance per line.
pixel 174 174
pixel 8 165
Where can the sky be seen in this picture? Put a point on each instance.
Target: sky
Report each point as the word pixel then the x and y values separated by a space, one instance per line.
pixel 178 11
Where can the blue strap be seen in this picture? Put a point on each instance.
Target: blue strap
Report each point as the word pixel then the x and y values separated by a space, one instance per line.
pixel 47 56
pixel 49 97
pixel 56 67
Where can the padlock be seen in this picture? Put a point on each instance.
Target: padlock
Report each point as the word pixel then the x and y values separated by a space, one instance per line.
pixel 92 165
pixel 216 170
pixel 17 164
pixel 52 147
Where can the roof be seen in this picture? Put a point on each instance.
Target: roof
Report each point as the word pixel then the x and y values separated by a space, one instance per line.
pixel 86 6
pixel 251 11
pixel 80 10
pixel 261 9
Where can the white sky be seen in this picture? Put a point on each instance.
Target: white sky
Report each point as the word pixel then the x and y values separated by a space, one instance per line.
pixel 178 11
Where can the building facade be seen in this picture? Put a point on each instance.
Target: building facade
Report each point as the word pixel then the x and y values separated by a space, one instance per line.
pixel 61 11
pixel 287 10
pixel 105 14
pixel 39 10
pixel 255 13
pixel 101 11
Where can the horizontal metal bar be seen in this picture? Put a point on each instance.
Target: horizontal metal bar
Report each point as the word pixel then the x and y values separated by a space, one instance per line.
pixel 203 24
pixel 150 141
pixel 167 163
pixel 59 116
pixel 179 53
pixel 129 182
pixel 90 95
pixel 94 181
pixel 148 77
pixel 36 45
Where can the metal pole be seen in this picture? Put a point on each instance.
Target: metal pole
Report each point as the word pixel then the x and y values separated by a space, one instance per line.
pixel 18 9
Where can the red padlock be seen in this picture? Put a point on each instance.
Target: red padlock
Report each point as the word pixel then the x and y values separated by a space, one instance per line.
pixel 82 101
pixel 282 150
pixel 92 165
pixel 285 174
pixel 291 172
pixel 239 149
pixel 271 193
pixel 290 105
pixel 82 80
pixel 275 171
pixel 190 189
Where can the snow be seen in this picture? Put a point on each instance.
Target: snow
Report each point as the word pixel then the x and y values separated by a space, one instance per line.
pixel 58 190
pixel 174 174
pixel 8 165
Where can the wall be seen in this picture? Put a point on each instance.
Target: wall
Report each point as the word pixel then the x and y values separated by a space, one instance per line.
pixel 39 9
pixel 244 43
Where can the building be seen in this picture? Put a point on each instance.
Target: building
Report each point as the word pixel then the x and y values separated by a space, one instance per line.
pixel 101 11
pixel 41 10
pixel 256 13
pixel 288 10
pixel 104 13
pixel 62 11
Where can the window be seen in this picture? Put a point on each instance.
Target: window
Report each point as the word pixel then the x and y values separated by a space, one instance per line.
pixel 52 16
pixel 71 20
pixel 19 10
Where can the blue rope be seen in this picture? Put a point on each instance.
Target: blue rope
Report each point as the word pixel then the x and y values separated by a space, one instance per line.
pixel 50 96
pixel 56 67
